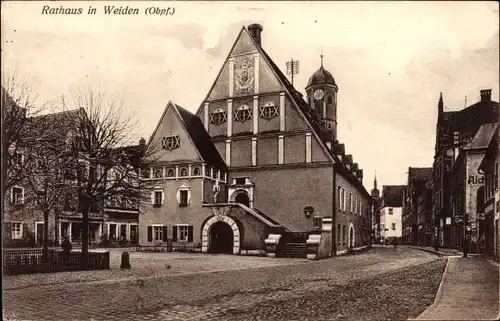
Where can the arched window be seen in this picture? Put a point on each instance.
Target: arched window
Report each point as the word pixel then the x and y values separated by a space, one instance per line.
pixel 184 172
pixel 158 173
pixel 170 172
pixel 329 99
pixel 196 171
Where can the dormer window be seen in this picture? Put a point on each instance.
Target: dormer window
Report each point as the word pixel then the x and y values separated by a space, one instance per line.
pixel 170 142
pixel 243 114
pixel 269 111
pixel 219 116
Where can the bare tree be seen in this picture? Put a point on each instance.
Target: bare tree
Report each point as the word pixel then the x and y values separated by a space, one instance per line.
pixel 107 161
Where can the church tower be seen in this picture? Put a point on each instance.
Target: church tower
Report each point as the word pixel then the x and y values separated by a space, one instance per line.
pixel 322 97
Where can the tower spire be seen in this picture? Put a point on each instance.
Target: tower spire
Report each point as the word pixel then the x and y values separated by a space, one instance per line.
pixel 321 56
pixel 440 103
pixel 375 180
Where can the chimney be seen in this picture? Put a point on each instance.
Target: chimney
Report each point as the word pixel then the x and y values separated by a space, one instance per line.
pixel 485 95
pixel 255 30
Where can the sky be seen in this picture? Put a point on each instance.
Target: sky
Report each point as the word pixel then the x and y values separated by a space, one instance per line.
pixel 390 60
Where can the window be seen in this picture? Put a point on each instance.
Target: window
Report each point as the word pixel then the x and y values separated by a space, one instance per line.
pixel 269 111
pixel 16 229
pixel 329 99
pixel 350 203
pixel 158 233
pixel 158 198
pixel 170 142
pixel 214 173
pixel 158 173
pixel 391 211
pixel 345 199
pixel 184 172
pixel 317 220
pixel 340 197
pixel 170 172
pixel 145 173
pixel 243 114
pixel 393 226
pixel 339 235
pixel 240 181
pixel 344 236
pixel 17 195
pixel 356 204
pixel 207 171
pixel 219 116
pixel 17 160
pixel 183 233
pixel 183 198
pixel 196 171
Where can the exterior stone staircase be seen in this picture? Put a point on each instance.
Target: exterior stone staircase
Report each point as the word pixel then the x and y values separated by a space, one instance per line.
pixel 292 250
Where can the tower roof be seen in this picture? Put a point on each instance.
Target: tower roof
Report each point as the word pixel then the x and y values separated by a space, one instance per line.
pixel 321 77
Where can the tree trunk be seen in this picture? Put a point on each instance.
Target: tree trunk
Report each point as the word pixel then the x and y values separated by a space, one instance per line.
pixel 45 233
pixel 56 231
pixel 85 234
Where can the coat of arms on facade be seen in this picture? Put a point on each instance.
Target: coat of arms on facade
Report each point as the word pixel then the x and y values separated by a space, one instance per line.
pixel 244 75
pixel 220 211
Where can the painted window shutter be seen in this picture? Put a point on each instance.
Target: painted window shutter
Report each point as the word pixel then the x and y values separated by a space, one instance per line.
pixel 165 235
pixel 150 234
pixel 174 234
pixel 190 233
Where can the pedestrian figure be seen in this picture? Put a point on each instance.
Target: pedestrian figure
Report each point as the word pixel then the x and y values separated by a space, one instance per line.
pixel 385 242
pixel 66 247
pixel 465 247
pixel 395 242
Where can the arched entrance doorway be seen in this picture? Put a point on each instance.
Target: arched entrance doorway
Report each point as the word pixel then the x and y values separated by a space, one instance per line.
pixel 221 238
pixel 212 228
pixel 351 236
pixel 242 198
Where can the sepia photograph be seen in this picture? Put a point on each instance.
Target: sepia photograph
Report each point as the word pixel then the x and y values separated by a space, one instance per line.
pixel 250 160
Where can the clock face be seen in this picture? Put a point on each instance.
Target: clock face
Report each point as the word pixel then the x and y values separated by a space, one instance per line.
pixel 319 94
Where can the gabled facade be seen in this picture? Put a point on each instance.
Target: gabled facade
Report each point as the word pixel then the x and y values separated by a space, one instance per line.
pixel 280 168
pixel 391 208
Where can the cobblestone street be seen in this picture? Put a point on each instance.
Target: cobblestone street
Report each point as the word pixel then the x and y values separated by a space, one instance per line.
pixel 378 284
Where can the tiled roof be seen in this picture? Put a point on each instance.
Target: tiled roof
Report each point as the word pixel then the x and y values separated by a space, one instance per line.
pixel 483 137
pixel 322 132
pixel 420 173
pixel 53 125
pixel 201 138
pixel 392 195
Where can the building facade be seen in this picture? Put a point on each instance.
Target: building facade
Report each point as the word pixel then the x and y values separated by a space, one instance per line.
pixel 454 130
pixel 490 167
pixel 391 210
pixel 280 167
pixel 417 207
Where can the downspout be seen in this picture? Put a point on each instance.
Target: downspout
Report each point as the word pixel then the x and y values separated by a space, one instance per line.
pixel 334 214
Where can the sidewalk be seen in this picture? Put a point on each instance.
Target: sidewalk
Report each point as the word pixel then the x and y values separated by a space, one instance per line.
pixel 468 291
pixel 441 251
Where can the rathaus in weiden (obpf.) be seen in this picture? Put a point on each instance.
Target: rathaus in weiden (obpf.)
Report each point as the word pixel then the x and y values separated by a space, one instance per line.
pixel 257 166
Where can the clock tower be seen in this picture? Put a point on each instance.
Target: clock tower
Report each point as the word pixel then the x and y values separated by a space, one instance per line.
pixel 322 98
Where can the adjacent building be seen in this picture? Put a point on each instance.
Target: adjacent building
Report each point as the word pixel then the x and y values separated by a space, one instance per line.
pixel 417 207
pixel 469 193
pixel 391 209
pixel 454 130
pixel 490 167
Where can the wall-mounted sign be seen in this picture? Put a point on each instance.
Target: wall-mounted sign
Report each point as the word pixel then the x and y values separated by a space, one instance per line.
pixel 473 179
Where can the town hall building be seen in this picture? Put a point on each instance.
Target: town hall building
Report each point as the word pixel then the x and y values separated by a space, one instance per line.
pixel 257 167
